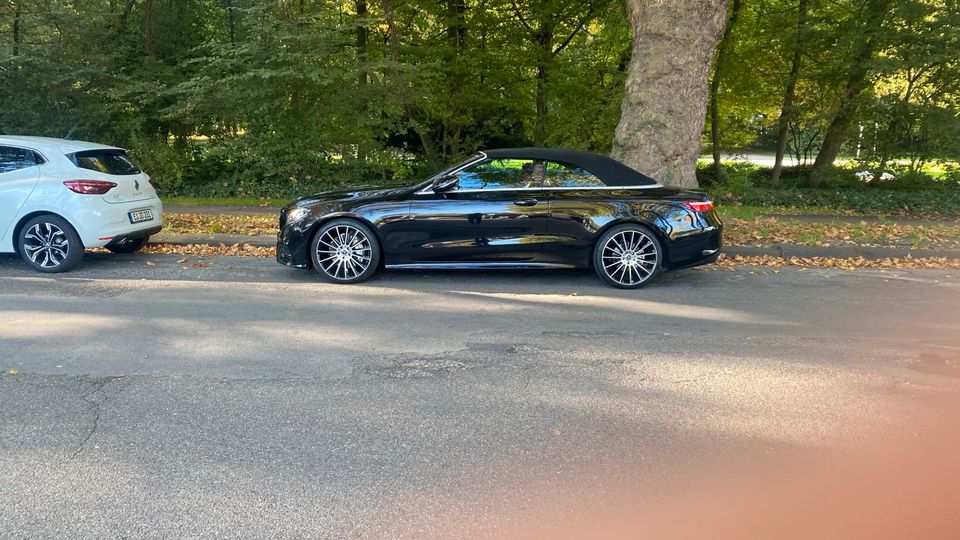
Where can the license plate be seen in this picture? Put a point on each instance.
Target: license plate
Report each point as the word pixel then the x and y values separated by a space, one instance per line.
pixel 139 216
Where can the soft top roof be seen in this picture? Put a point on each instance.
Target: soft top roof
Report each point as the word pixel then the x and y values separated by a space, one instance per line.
pixel 610 171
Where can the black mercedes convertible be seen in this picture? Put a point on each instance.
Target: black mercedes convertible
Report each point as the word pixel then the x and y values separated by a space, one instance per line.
pixel 509 208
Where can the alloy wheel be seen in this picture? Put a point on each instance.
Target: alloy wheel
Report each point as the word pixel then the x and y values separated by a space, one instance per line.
pixel 46 245
pixel 630 257
pixel 344 252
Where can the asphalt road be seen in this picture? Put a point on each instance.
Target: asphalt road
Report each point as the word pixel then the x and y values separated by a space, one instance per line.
pixel 234 397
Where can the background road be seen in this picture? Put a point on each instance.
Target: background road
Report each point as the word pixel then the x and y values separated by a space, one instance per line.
pixel 232 396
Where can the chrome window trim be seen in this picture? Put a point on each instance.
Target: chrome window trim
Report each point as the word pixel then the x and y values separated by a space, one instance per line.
pixel 481 156
pixel 597 188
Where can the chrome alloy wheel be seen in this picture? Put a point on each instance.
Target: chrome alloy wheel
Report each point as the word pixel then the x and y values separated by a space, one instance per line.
pixel 46 245
pixel 344 252
pixel 630 257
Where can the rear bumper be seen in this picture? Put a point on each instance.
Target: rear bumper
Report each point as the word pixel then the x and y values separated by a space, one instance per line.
pixel 110 223
pixel 695 250
pixel 134 235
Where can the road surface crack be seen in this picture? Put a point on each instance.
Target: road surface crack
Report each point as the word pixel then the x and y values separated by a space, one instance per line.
pixel 93 393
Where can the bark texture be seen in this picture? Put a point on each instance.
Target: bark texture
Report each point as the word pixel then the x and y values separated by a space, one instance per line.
pixel 665 104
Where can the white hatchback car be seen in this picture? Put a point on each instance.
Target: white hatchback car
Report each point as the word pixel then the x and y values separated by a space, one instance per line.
pixel 60 197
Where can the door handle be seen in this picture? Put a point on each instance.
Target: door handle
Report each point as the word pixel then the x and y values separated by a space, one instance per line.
pixel 526 202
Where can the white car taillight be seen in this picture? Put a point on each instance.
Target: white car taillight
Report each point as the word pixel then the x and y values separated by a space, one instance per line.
pixel 89 187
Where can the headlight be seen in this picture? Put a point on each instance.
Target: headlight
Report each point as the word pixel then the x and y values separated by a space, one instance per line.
pixel 298 214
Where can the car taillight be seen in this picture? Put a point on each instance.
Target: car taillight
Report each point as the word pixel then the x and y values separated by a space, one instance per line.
pixel 89 187
pixel 699 206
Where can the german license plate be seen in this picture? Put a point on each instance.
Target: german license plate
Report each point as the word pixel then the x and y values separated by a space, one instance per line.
pixel 139 216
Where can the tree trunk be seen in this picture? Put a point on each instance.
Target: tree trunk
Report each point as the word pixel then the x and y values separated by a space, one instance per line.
pixel 786 111
pixel 665 103
pixel 723 51
pixel 17 14
pixel 545 57
pixel 875 11
pixel 231 21
pixel 148 27
pixel 363 37
pixel 393 41
pixel 457 38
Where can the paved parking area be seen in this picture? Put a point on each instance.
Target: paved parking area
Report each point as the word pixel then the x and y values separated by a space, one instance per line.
pixel 224 394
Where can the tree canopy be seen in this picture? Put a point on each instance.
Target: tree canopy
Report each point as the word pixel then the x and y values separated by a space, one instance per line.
pixel 268 97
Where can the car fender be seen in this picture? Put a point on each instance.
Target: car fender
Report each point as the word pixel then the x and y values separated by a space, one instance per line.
pixel 649 219
pixel 28 212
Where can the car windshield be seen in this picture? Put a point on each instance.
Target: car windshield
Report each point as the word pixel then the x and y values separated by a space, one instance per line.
pixel 114 162
pixel 449 170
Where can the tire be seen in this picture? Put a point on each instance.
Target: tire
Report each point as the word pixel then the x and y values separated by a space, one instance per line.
pixel 131 245
pixel 628 256
pixel 49 244
pixel 345 251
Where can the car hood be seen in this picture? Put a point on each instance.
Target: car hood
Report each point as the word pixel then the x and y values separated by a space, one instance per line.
pixel 350 194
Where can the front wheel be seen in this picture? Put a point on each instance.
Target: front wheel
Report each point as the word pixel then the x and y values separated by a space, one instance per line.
pixel 50 245
pixel 345 251
pixel 628 256
pixel 130 245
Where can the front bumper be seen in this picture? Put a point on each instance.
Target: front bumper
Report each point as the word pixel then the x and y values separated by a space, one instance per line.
pixel 293 245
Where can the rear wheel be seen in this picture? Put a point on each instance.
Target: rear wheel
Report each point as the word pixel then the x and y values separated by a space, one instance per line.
pixel 345 251
pixel 628 256
pixel 49 244
pixel 130 245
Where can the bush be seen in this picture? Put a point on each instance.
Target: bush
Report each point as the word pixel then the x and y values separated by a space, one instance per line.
pixel 940 202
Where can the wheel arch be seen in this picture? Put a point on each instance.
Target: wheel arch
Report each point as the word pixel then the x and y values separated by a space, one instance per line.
pixel 317 225
pixel 15 238
pixel 646 223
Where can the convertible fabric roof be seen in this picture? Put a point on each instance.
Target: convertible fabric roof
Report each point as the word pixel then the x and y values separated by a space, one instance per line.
pixel 610 171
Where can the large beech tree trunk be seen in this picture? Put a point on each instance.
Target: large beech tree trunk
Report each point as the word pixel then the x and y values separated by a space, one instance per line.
pixel 665 104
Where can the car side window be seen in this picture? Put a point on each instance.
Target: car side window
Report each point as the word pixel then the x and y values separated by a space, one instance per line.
pixel 14 159
pixel 502 174
pixel 562 175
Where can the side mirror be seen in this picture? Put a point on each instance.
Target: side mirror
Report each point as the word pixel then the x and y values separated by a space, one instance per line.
pixel 446 183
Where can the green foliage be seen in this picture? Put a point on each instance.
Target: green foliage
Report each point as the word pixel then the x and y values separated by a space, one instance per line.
pixel 250 98
pixel 241 98
pixel 916 193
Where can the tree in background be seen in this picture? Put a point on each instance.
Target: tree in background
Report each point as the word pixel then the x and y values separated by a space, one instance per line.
pixel 274 97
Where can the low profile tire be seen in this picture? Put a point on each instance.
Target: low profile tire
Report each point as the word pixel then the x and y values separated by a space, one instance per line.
pixel 628 256
pixel 345 251
pixel 50 245
pixel 131 245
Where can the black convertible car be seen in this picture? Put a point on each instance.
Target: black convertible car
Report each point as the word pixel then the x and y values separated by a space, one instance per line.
pixel 509 208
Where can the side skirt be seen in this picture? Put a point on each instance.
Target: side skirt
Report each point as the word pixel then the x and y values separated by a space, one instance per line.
pixel 476 266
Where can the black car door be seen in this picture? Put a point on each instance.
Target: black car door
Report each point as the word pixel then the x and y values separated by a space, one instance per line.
pixel 493 215
pixel 580 205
